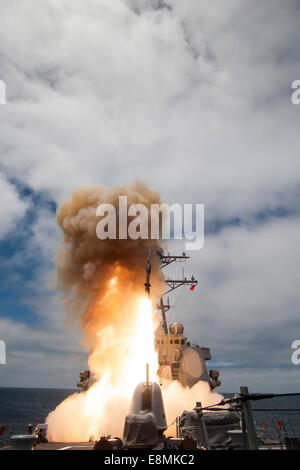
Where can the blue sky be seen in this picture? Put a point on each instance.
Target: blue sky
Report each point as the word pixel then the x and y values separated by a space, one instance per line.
pixel 193 98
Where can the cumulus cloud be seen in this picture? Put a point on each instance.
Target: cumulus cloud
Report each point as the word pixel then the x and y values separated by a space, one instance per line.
pixel 246 306
pixel 193 97
pixel 12 208
pixel 42 350
pixel 39 356
pixel 104 90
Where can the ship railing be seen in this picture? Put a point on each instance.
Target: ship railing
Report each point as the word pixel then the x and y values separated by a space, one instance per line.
pixel 260 427
pixel 281 425
pixel 10 429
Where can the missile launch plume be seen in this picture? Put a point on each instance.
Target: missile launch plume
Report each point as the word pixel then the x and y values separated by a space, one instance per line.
pixel 89 268
pixel 102 282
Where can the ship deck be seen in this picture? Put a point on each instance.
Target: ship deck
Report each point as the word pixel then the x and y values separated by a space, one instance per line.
pixel 65 446
pixel 59 446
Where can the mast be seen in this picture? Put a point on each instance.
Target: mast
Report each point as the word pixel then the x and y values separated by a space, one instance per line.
pixel 164 309
pixel 167 259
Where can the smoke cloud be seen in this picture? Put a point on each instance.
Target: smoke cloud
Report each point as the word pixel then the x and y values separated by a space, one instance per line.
pixel 89 268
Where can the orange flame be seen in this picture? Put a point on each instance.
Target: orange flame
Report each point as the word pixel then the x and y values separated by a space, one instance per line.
pixel 121 351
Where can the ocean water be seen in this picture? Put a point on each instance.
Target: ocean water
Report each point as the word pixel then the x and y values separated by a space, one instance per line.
pixel 29 405
pixel 21 406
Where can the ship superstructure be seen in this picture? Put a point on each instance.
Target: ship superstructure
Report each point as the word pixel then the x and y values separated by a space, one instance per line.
pixel 178 358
